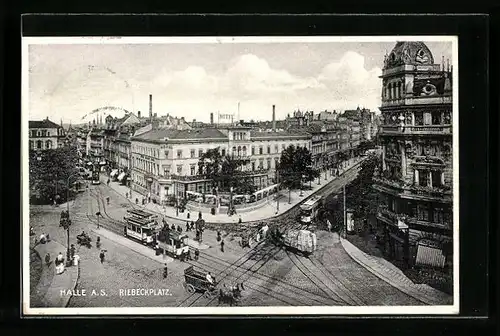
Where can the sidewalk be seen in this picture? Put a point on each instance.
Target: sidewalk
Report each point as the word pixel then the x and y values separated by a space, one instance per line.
pixel 386 271
pixel 65 281
pixel 266 211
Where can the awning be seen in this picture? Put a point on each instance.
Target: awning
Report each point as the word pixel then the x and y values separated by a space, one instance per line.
pixel 121 176
pixel 430 256
pixel 113 172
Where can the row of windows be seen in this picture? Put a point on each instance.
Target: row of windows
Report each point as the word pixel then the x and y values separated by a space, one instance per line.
pixel 422 211
pixel 40 144
pixel 146 151
pixel 43 133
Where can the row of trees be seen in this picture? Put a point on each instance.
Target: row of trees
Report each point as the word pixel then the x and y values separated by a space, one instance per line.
pixel 49 171
pixel 295 168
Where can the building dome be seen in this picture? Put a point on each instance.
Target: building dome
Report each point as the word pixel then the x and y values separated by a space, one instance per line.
pixel 409 53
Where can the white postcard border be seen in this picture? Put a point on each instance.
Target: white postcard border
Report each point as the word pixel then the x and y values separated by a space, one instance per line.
pixel 338 310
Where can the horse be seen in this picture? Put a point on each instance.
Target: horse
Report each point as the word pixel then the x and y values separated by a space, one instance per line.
pixel 231 295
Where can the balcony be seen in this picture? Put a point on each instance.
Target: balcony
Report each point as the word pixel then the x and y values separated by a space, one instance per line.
pixel 418 100
pixel 398 184
pixel 430 191
pixel 424 129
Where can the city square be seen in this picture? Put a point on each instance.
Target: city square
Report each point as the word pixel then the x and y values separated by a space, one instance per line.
pixel 350 207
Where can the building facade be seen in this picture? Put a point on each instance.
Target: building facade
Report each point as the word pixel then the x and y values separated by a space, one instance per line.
pixel 415 180
pixel 165 161
pixel 45 134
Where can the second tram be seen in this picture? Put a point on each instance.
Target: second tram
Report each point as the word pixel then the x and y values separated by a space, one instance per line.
pixel 309 209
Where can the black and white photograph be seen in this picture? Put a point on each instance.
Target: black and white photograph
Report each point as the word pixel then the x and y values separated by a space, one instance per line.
pixel 240 175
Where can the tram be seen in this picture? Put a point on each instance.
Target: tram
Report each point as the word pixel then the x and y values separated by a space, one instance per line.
pixel 141 229
pixel 309 209
pixel 95 177
pixel 173 243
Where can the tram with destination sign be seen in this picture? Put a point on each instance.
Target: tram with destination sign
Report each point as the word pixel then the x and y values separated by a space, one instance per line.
pixel 137 213
pixel 95 177
pixel 140 229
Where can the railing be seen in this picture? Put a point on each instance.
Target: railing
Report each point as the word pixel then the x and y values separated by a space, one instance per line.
pixel 416 221
pixel 411 129
pixel 430 191
pixel 418 100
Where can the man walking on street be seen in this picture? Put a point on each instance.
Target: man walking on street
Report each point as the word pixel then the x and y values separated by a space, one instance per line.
pixel 101 256
pixel 165 271
pixel 222 246
pixel 196 254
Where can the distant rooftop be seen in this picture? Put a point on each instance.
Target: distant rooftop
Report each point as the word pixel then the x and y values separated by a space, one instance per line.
pixel 46 123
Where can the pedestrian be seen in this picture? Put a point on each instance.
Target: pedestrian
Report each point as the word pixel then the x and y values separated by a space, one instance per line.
pixel 239 220
pixel 179 229
pixel 101 256
pixel 47 259
pixel 107 200
pixel 32 232
pixel 192 225
pixel 43 240
pixel 173 227
pixel 126 195
pixel 218 236
pixel 187 227
pixel 196 254
pixel 107 182
pixel 165 271
pixel 222 246
pixel 136 201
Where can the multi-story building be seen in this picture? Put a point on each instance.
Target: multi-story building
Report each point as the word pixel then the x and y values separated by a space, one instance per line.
pixel 165 160
pixel 95 144
pixel 45 134
pixel 415 184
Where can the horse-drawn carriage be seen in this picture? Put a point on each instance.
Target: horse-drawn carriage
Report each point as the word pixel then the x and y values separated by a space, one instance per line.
pixel 197 281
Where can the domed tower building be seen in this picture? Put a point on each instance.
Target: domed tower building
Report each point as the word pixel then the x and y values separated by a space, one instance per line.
pixel 415 182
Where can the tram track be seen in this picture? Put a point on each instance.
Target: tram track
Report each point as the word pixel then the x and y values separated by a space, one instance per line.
pixel 280 284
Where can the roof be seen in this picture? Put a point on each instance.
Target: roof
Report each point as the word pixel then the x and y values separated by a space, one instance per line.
pixel 280 134
pixel 409 52
pixel 46 123
pixel 174 134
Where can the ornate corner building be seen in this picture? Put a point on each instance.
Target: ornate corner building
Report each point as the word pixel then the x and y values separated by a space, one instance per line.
pixel 416 178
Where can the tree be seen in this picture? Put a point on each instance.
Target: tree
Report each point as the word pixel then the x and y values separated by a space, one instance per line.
pixel 360 196
pixel 295 167
pixel 224 171
pixel 49 171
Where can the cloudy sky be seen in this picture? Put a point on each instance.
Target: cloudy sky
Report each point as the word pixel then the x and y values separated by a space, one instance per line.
pixel 192 80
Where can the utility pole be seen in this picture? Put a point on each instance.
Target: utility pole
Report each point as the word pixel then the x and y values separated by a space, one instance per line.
pixel 278 193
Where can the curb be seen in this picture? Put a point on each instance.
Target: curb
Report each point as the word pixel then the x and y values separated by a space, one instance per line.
pixel 422 297
pixel 248 222
pixel 74 285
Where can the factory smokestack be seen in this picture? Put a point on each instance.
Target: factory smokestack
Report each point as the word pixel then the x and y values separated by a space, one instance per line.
pixel 150 107
pixel 211 118
pixel 139 114
pixel 274 118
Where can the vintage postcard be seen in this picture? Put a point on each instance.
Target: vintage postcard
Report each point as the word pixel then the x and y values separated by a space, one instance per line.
pixel 240 175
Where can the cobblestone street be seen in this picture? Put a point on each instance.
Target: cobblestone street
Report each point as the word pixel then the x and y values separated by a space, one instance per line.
pixel 272 276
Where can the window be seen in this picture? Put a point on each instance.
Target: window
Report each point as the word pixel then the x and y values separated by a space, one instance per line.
pixel 223 152
pixel 48 144
pixel 239 150
pixel 436 118
pixel 423 177
pixel 234 150
pixel 276 163
pixel 438 215
pixel 419 118
pixel 48 133
pixel 253 150
pixel 179 169
pixel 253 165
pixel 244 150
pixel 193 169
pixel 423 212
pixel 269 163
pixel 276 148
pixel 200 153
pixel 179 154
pixel 32 144
pixel 436 178
pixel 192 154
pixel 268 149
pixel 39 144
pixel 427 118
pixel 261 164
pixel 260 150
pixel 283 147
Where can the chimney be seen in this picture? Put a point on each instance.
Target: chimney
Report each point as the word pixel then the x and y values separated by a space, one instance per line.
pixel 274 118
pixel 150 107
pixel 138 114
pixel 211 118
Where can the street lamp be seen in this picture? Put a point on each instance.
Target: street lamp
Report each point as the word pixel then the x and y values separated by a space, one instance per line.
pixel 65 222
pixel 278 192
pixel 301 187
pixel 230 209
